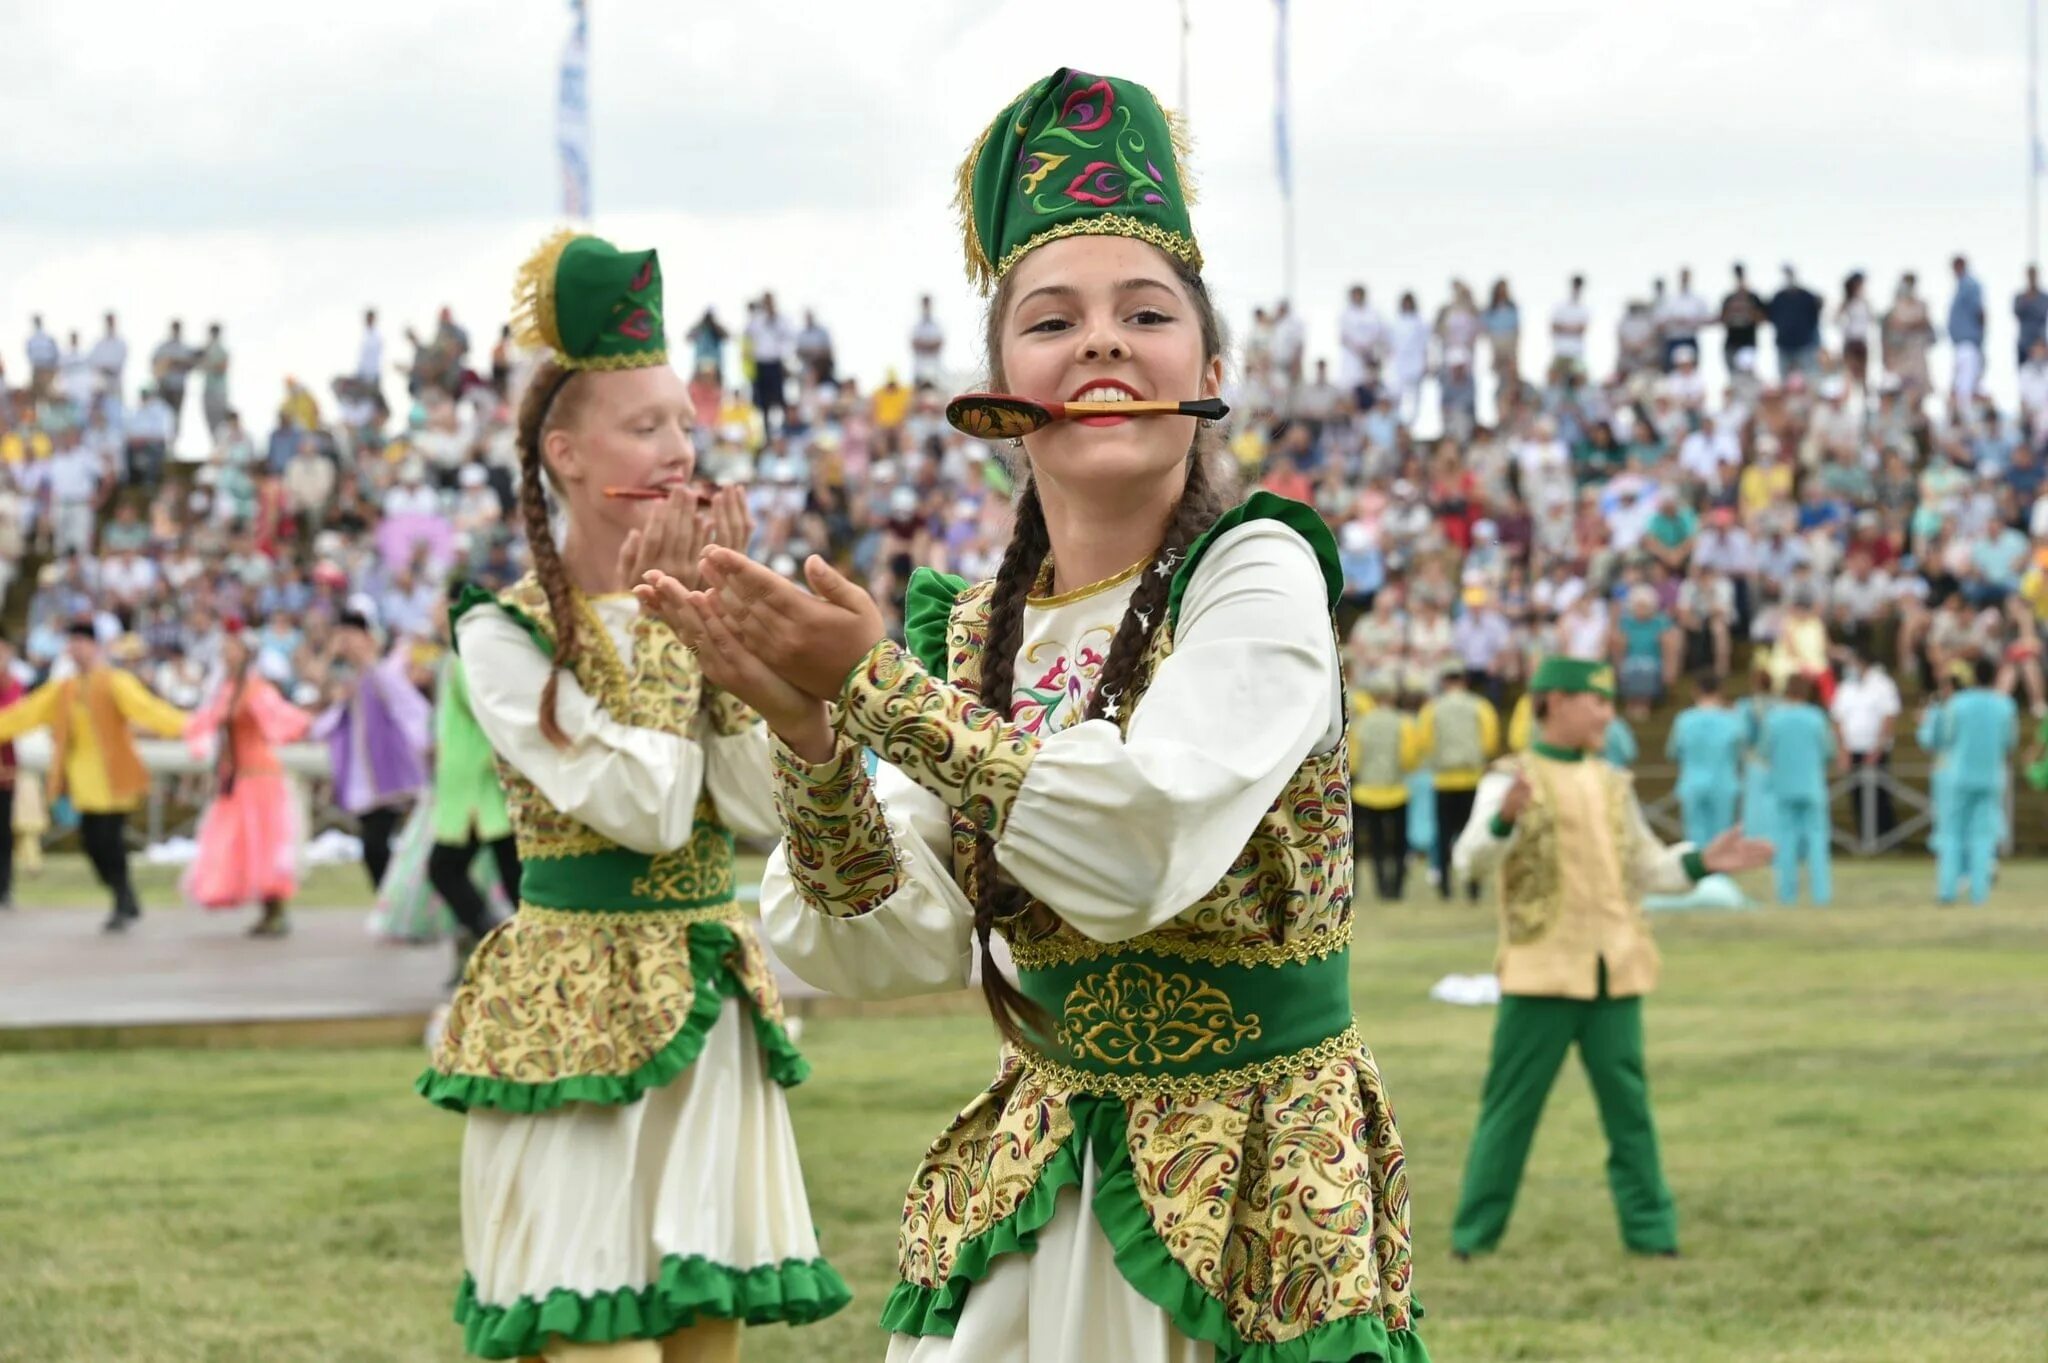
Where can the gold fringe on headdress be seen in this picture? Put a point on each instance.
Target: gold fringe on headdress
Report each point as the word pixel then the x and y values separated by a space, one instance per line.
pixel 533 294
pixel 980 270
pixel 1183 148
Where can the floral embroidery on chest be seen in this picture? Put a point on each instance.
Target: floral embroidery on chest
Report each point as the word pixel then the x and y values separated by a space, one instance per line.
pixel 1061 679
pixel 1066 642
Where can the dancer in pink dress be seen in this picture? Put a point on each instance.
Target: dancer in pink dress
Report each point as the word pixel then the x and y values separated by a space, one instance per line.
pixel 249 838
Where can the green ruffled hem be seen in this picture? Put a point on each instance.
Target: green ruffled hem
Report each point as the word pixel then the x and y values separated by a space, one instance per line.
pixel 795 1292
pixel 1142 1258
pixel 709 942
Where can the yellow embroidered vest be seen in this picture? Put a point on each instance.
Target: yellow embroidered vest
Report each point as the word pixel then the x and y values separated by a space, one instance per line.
pixel 1259 1202
pixel 610 976
pixel 1530 885
pixel 1571 885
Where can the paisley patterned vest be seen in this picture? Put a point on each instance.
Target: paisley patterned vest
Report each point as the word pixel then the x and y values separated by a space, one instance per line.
pixel 1250 1171
pixel 609 978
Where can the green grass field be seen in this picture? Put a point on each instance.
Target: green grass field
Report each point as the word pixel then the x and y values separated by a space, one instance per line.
pixel 1854 1110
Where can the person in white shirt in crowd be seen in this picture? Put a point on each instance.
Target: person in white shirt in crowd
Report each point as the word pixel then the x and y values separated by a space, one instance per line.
pixel 2033 394
pixel 1685 386
pixel 1558 589
pixel 126 577
pixel 1727 547
pixel 1290 344
pixel 79 480
pixel 370 351
pixel 1583 629
pixel 1410 358
pixel 446 441
pixel 109 358
pixel 1858 324
pixel 77 381
pixel 411 496
pixel 1629 504
pixel 927 345
pixel 1362 338
pixel 477 507
pixel 43 355
pixel 170 365
pixel 151 428
pixel 1568 322
pixel 772 341
pixel 1865 711
pixel 814 350
pixel 1686 314
pixel 1712 455
pixel 1859 600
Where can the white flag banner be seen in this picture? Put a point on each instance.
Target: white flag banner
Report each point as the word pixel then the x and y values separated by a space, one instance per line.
pixel 572 117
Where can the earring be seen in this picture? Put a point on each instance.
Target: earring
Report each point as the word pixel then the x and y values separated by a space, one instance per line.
pixel 1016 442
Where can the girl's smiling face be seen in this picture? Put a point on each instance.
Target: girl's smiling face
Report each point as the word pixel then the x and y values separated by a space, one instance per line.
pixel 1100 318
pixel 621 428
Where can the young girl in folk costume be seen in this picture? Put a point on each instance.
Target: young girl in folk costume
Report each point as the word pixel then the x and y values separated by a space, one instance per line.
pixel 250 836
pixel 630 1185
pixel 1126 754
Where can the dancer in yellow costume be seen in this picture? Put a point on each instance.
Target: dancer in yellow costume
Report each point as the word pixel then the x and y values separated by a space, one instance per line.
pixel 1126 754
pixel 630 1185
pixel 1575 858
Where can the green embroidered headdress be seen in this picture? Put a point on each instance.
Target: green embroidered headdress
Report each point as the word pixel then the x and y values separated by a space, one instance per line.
pixel 1074 155
pixel 595 306
pixel 1571 675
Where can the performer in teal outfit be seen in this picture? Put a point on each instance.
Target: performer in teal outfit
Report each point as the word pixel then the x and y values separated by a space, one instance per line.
pixel 1797 744
pixel 1974 732
pixel 1706 742
pixel 1618 745
pixel 1759 819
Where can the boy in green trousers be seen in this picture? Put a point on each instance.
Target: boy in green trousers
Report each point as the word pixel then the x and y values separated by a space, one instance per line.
pixel 1575 858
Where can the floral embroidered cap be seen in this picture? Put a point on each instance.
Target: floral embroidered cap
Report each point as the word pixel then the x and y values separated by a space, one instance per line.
pixel 1074 155
pixel 595 306
pixel 1557 673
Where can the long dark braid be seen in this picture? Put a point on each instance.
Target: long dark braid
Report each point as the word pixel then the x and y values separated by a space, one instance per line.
pixel 543 407
pixel 1204 498
pixel 993 900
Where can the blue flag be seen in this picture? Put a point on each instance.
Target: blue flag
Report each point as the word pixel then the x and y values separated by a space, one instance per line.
pixel 572 117
pixel 1282 162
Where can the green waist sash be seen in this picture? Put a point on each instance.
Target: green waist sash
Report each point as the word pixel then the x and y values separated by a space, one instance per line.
pixel 1140 1022
pixel 620 879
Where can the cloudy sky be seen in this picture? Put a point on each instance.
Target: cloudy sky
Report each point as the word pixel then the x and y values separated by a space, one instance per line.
pixel 278 167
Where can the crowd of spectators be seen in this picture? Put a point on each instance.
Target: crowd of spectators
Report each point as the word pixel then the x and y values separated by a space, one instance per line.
pixel 1494 499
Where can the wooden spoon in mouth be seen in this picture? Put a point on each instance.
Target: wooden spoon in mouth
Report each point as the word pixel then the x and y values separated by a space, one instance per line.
pixel 1005 416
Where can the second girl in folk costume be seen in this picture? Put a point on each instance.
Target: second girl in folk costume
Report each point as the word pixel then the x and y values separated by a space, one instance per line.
pixel 630 1185
pixel 1126 754
pixel 250 836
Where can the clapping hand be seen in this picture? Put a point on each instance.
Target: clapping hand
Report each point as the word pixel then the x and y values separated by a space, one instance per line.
pixel 670 542
pixel 798 717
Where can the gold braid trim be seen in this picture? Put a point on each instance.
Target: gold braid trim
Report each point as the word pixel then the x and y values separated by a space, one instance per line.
pixel 638 359
pixel 610 918
pixel 1057 1076
pixel 1074 949
pixel 1173 243
pixel 614 686
pixel 533 294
